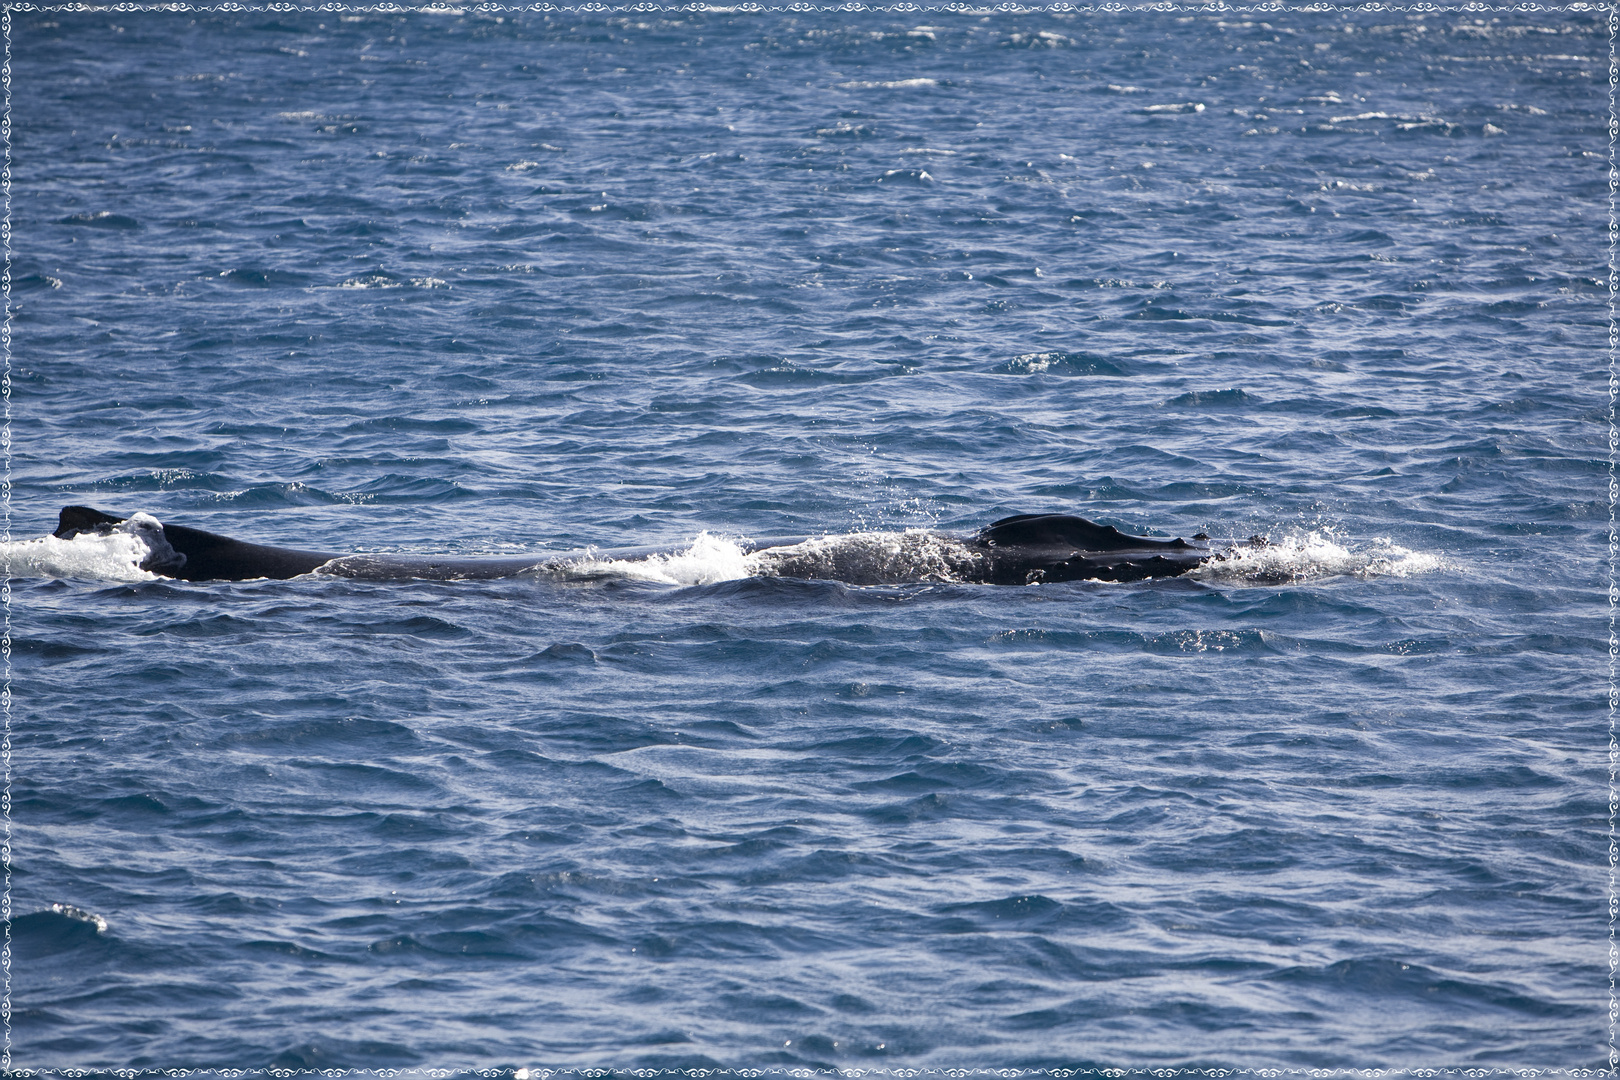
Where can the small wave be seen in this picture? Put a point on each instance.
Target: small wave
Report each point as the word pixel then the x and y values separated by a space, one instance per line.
pixel 1402 121
pixel 894 84
pixel 382 279
pixel 916 176
pixel 372 281
pixel 60 928
pixel 253 278
pixel 1230 398
pixel 74 914
pixel 1314 555
pixel 843 129
pixel 1176 107
pixel 1057 362
pixel 114 556
pixel 101 219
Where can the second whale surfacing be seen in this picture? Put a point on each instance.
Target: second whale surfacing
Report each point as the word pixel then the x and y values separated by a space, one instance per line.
pixel 1021 550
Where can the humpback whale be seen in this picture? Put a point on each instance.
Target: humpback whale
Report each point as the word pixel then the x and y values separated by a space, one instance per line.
pixel 1020 550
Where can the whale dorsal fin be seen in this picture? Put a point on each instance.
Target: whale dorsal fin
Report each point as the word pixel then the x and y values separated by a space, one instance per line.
pixel 82 519
pixel 1059 530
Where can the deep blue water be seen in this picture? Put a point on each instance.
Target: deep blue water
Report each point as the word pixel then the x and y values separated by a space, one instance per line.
pixel 519 282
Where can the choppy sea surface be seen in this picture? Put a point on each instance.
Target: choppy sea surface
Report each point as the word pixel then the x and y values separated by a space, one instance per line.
pixel 510 282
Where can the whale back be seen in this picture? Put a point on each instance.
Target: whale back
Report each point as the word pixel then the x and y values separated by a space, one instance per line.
pixel 1017 550
pixel 74 520
pixel 197 555
pixel 1065 530
pixel 211 557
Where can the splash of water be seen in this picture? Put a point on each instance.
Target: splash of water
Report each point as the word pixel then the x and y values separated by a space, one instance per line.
pixel 1313 555
pixel 116 555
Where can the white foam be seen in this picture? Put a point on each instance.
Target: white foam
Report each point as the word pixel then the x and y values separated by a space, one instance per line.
pixel 863 558
pixel 1033 363
pixel 80 915
pixel 114 556
pixel 1402 121
pixel 709 559
pixel 371 281
pixel 914 556
pixel 1313 555
pixel 892 84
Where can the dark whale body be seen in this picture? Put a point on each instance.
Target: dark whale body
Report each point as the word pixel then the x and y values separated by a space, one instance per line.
pixel 1019 550
pixel 1027 548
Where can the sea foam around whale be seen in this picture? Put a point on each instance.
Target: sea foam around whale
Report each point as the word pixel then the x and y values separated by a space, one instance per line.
pixel 1316 554
pixel 113 556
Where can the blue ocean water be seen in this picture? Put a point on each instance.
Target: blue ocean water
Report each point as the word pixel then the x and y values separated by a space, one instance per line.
pixel 508 282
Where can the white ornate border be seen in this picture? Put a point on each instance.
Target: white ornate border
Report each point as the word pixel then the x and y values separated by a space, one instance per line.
pixel 1110 7
pixel 5 536
pixel 807 1074
pixel 854 7
pixel 1614 552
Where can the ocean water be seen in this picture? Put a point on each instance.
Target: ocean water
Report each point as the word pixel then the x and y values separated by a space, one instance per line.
pixel 511 282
